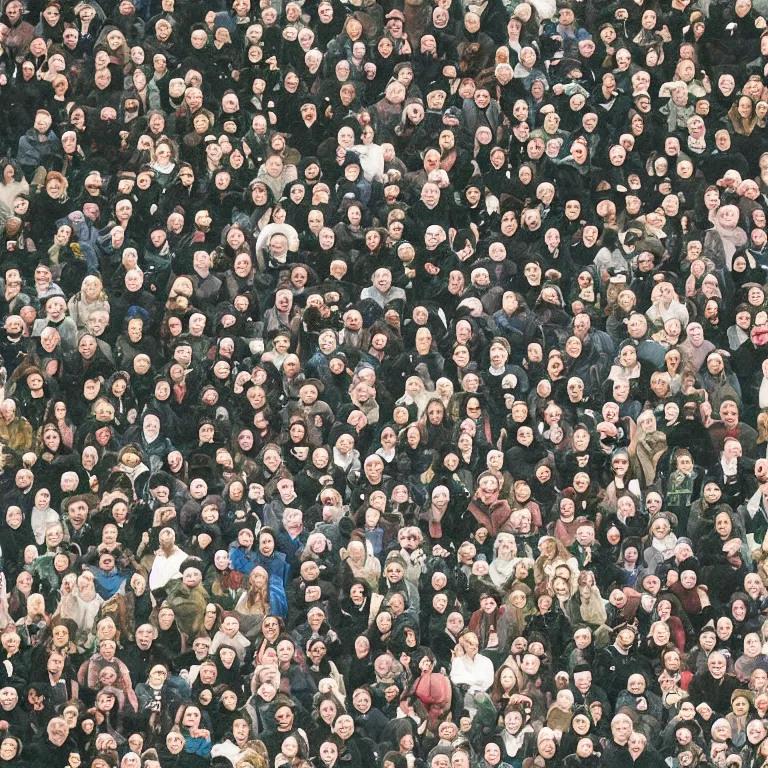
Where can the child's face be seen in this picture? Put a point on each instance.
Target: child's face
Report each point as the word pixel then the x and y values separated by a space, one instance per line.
pixel 584 748
pixel 685 464
pixel 564 699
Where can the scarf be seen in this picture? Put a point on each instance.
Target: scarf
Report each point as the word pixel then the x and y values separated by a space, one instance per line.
pixel 733 239
pixel 435 522
pixel 513 742
pixel 39 520
pixel 501 570
pixel 742 126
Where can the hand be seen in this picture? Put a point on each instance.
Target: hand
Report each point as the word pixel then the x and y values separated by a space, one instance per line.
pixel 732 546
pixel 622 14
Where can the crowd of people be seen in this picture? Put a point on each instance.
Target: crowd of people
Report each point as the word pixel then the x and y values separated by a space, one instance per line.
pixel 384 384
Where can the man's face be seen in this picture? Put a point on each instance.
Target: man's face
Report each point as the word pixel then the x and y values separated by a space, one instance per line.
pixel 58 732
pixel 144 636
pixel 382 280
pixel 78 512
pixel 14 326
pixel 194 98
pixel 582 681
pixel 353 320
pixel 183 354
pixel 327 342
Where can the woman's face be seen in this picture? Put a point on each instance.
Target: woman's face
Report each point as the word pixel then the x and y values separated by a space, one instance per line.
pixel 8 749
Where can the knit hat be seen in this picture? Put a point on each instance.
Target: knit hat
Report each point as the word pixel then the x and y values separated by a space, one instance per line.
pixel 191 562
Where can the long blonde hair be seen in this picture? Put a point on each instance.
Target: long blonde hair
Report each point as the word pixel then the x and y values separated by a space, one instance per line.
pixel 258 596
